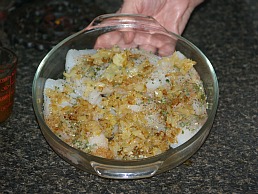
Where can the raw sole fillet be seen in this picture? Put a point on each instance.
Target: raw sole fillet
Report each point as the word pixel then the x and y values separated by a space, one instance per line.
pixel 97 142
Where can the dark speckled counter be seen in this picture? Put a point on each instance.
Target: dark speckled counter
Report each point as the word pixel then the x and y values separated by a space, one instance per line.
pixel 227 32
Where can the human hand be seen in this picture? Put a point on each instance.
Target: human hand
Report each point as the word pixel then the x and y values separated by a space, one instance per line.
pixel 171 14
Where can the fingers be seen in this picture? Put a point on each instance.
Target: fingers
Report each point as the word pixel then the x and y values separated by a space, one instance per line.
pixel 128 37
pixel 161 44
pixel 157 43
pixel 108 39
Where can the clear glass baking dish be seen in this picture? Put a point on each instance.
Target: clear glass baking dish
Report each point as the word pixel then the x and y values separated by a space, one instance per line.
pixel 148 34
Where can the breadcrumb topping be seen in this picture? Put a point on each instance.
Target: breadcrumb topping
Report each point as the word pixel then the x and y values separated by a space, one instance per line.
pixel 125 104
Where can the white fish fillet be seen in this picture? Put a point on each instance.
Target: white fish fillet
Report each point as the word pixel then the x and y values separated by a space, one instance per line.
pixel 158 79
pixel 73 56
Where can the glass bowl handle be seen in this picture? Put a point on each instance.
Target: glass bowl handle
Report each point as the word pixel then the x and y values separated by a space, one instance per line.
pixel 125 21
pixel 126 172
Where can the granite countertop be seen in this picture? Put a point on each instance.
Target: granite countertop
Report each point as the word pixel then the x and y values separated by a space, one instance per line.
pixel 227 32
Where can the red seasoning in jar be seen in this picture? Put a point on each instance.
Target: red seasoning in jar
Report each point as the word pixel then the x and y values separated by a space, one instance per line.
pixel 7 88
pixel 8 64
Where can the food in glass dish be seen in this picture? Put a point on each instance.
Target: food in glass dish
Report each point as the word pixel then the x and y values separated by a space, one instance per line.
pixel 125 104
